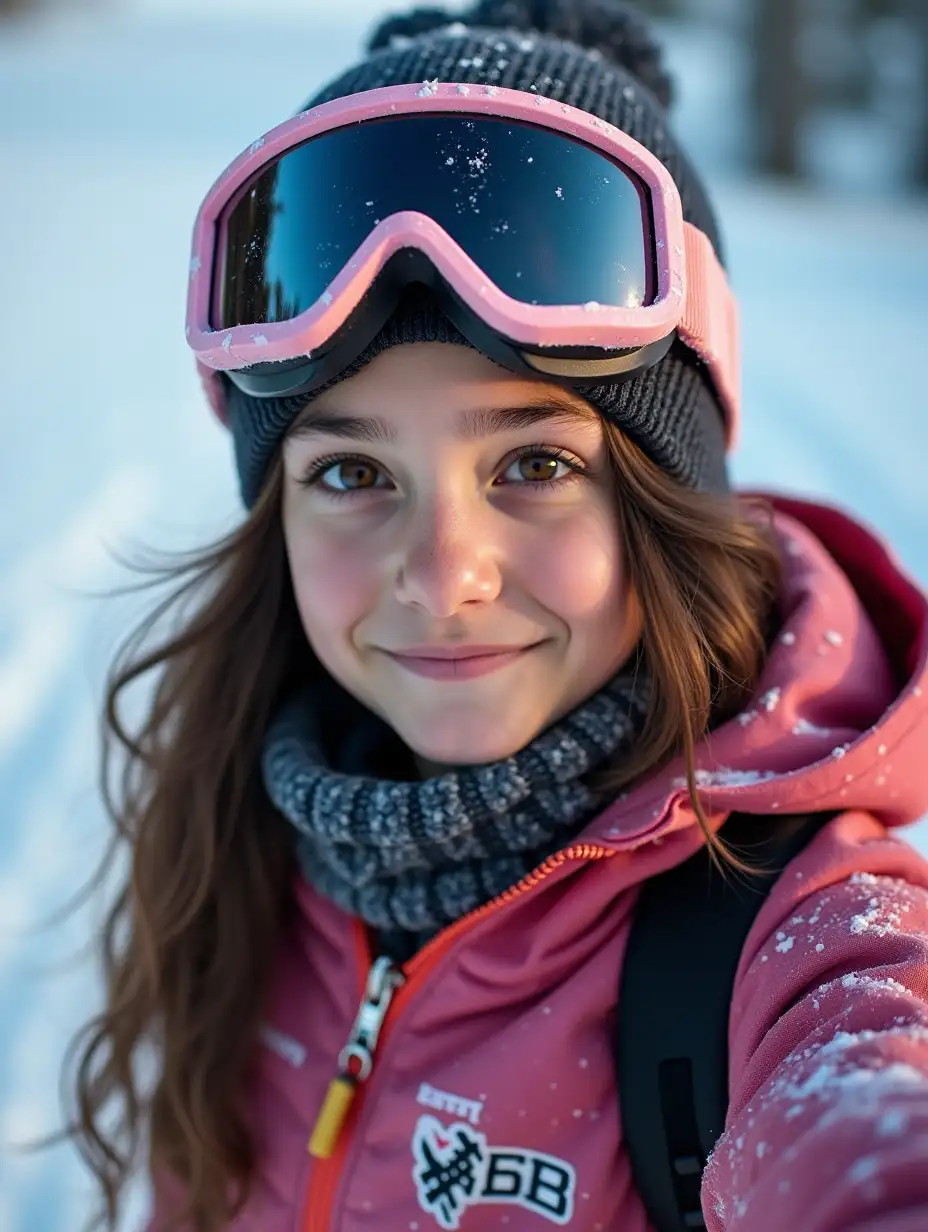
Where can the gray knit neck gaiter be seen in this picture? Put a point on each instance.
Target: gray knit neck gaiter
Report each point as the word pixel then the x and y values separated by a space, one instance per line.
pixel 412 856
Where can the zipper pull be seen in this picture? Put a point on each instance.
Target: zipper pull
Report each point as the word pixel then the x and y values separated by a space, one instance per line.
pixel 356 1059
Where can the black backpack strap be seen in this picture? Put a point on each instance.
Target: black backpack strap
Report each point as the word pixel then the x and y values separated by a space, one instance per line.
pixel 671 1035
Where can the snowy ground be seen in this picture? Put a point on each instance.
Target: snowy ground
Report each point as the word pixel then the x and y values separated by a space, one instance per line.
pixel 110 134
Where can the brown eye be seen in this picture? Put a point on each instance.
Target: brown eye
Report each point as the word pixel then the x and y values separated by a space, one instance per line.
pixel 538 466
pixel 534 468
pixel 350 476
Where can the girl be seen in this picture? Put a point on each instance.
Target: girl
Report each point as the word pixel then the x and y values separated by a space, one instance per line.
pixel 495 647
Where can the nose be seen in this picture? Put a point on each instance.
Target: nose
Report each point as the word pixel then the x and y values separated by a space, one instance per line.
pixel 448 558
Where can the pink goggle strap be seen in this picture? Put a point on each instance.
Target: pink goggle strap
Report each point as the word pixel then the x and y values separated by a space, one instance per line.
pixel 710 325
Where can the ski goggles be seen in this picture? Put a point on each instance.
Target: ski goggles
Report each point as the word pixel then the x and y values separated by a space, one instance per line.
pixel 554 242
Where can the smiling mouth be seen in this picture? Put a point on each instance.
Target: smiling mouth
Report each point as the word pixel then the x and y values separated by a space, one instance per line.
pixel 461 664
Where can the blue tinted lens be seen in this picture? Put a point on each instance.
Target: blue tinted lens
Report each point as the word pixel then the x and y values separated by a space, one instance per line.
pixel 548 219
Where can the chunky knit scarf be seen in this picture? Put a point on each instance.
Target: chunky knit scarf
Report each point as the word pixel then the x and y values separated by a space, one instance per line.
pixel 410 856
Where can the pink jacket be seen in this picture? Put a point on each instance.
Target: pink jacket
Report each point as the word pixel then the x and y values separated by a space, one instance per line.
pixel 492 1101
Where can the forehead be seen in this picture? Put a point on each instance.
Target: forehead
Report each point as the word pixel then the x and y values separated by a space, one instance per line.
pixel 454 389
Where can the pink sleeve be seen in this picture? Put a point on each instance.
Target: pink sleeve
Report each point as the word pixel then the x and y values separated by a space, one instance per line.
pixel 827 1129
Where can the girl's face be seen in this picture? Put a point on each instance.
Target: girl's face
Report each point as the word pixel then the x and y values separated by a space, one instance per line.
pixel 434 503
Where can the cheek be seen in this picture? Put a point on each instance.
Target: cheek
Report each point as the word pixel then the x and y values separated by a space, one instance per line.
pixel 334 588
pixel 582 577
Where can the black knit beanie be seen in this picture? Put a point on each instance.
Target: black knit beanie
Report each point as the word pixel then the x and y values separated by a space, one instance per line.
pixel 600 56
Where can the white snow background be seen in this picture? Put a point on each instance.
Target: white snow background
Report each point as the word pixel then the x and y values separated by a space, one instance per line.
pixel 112 126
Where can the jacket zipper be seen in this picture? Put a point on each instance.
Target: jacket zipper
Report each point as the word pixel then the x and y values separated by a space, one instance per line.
pixel 356 1059
pixel 385 994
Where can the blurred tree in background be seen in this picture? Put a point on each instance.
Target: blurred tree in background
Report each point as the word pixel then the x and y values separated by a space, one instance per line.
pixel 863 59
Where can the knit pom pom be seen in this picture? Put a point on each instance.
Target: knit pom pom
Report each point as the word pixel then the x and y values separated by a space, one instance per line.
pixel 611 27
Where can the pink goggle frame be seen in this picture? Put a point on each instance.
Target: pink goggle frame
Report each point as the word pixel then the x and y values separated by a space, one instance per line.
pixel 693 295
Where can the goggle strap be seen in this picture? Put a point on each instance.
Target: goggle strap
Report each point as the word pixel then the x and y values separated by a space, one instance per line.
pixel 710 323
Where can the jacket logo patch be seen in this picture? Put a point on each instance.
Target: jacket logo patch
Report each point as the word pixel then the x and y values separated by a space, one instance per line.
pixel 456 1169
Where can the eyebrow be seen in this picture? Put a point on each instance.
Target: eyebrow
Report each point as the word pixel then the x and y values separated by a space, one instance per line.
pixel 470 425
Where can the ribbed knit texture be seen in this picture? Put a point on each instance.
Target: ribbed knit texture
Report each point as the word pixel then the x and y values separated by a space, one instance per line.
pixel 671 411
pixel 409 855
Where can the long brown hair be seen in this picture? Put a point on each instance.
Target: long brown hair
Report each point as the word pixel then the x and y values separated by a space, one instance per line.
pixel 187 944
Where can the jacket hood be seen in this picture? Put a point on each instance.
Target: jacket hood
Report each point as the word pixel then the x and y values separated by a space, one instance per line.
pixel 839 719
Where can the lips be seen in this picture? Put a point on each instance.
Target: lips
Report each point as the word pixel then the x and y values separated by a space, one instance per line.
pixel 459 663
pixel 471 651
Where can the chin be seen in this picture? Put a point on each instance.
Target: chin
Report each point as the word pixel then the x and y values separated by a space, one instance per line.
pixel 465 744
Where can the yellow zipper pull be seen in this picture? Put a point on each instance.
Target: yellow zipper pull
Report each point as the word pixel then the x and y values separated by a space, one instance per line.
pixel 356 1060
pixel 332 1117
